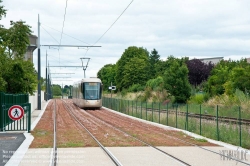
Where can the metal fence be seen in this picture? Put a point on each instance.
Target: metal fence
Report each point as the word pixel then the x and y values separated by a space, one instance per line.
pixel 227 124
pixel 8 100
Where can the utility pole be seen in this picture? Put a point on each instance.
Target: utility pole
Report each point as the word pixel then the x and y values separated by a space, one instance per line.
pixel 46 90
pixel 38 69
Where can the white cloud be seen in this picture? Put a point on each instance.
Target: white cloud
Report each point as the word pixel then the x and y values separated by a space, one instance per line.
pixel 194 28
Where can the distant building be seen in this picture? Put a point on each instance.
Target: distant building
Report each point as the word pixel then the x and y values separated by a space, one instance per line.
pixel 214 60
pixel 248 60
pixel 33 45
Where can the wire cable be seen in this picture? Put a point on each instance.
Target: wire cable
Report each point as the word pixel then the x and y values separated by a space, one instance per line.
pixel 113 23
pixel 67 35
pixel 64 20
pixel 49 34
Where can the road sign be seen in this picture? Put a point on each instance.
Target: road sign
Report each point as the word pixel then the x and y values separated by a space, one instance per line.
pixel 16 112
pixel 112 87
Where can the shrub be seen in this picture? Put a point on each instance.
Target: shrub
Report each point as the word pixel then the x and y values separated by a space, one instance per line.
pixel 136 88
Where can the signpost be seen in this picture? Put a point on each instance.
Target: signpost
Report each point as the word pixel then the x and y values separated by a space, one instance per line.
pixel 16 112
pixel 111 88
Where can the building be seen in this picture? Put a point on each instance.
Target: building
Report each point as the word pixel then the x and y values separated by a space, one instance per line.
pixel 214 60
pixel 248 60
pixel 33 45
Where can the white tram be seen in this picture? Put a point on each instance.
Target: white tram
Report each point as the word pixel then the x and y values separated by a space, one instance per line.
pixel 87 93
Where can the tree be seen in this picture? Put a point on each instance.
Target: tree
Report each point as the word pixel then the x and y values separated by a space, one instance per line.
pixel 222 77
pixel 198 71
pixel 154 58
pixel 135 73
pixel 15 39
pixel 238 79
pixel 57 90
pixel 160 67
pixel 107 75
pixel 16 76
pixel 176 79
pixel 2 11
pixel 20 77
pixel 123 79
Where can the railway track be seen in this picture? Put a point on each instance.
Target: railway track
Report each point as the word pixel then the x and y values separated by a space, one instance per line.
pixel 111 156
pixel 83 118
pixel 173 137
pixel 181 162
pixel 54 159
pixel 205 116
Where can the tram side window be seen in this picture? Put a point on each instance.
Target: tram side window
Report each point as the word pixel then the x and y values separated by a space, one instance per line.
pixel 83 90
pixel 92 91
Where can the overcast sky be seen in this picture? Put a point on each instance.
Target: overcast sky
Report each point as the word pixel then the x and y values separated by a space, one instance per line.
pixel 182 28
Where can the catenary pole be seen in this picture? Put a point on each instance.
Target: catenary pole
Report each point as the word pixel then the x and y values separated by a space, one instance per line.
pixel 39 69
pixel 46 90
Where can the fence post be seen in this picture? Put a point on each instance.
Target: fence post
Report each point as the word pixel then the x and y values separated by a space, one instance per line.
pixel 132 108
pixel 187 118
pixel 176 116
pixel 29 120
pixel 217 123
pixel 240 124
pixel 167 114
pixel 200 119
pixel 159 114
pixel 152 119
pixel 136 108
pixel 141 110
pixel 128 108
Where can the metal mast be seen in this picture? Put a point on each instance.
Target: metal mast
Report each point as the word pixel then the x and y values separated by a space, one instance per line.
pixel 39 69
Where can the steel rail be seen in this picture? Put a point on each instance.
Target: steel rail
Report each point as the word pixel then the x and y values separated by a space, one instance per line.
pixel 54 156
pixel 124 132
pixel 229 157
pixel 111 156
pixel 203 116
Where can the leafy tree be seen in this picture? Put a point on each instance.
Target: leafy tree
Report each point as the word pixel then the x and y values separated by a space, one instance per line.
pixel 135 72
pixel 125 77
pixel 222 77
pixel 176 79
pixel 154 58
pixel 15 39
pixel 2 11
pixel 66 90
pixel 160 67
pixel 16 76
pixel 107 75
pixel 57 90
pixel 198 71
pixel 3 62
pixel 238 79
pixel 20 77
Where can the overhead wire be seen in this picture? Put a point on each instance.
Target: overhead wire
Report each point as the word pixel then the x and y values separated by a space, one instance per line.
pixel 81 40
pixel 65 11
pixel 68 35
pixel 113 23
pixel 49 34
pixel 109 27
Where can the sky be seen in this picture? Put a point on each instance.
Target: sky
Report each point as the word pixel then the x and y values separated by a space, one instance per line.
pixel 182 28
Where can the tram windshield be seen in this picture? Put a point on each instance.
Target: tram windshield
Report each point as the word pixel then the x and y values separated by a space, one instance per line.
pixel 92 91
